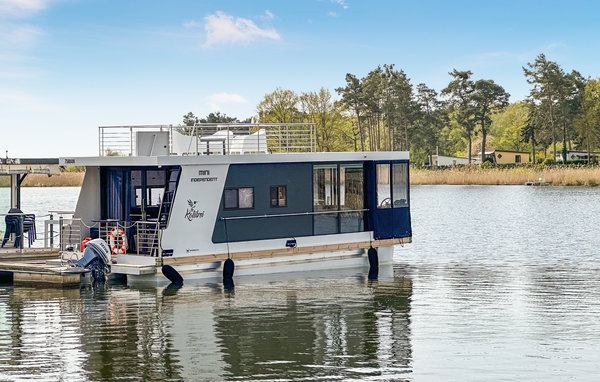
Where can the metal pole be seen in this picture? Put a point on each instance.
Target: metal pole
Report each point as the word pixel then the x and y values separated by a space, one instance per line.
pixel 60 238
pixel 51 231
pixel 22 222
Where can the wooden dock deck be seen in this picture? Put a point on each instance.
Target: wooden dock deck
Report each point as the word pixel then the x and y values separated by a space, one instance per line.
pixel 37 266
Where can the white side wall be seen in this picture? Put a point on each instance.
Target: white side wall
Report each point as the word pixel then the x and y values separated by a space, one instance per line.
pixel 440 160
pixel 88 204
pixel 191 226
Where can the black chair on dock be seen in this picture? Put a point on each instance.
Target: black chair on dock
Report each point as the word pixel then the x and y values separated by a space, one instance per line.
pixel 13 226
pixel 29 228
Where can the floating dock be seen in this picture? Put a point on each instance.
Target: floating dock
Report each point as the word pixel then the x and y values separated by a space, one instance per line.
pixel 38 266
pixel 537 183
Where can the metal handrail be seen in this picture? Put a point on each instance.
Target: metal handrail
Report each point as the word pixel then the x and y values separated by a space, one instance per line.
pixel 311 213
pixel 146 232
pixel 278 137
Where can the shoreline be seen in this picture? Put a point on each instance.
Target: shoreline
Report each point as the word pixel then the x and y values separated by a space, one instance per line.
pixel 65 179
pixel 554 176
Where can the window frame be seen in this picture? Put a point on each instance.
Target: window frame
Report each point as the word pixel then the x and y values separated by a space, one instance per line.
pixel 378 203
pixel 277 187
pixel 392 181
pixel 405 185
pixel 237 207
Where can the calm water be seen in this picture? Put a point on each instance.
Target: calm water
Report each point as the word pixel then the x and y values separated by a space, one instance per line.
pixel 38 200
pixel 501 283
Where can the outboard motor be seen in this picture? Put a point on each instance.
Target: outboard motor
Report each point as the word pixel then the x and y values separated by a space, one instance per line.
pixel 96 257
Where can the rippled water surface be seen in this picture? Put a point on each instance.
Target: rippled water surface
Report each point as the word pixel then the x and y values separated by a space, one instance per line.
pixel 501 283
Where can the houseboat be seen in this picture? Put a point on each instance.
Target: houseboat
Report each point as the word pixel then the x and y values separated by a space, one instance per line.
pixel 192 197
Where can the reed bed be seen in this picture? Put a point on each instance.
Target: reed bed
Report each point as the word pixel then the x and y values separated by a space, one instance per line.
pixel 556 176
pixel 65 179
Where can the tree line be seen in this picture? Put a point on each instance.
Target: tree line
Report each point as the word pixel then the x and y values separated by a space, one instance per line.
pixel 384 111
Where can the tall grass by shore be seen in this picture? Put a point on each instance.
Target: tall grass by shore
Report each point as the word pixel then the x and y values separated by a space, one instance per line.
pixel 65 179
pixel 555 175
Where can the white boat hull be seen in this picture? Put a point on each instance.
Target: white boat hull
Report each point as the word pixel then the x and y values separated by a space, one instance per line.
pixel 212 271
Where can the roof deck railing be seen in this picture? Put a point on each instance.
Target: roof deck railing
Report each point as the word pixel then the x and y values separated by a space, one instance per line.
pixel 206 139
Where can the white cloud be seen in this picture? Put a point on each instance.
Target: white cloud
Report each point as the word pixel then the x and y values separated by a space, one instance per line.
pixel 222 28
pixel 227 98
pixel 27 102
pixel 332 14
pixel 21 8
pixel 342 3
pixel 554 45
pixel 192 24
pixel 18 36
pixel 15 34
pixel 269 15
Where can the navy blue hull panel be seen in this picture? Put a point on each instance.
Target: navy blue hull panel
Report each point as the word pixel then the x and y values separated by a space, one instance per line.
pixel 386 223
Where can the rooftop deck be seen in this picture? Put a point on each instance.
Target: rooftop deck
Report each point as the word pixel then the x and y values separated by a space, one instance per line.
pixel 206 139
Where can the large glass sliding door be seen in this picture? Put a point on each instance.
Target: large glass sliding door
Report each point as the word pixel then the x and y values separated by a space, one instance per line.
pixel 351 197
pixel 338 188
pixel 148 190
pixel 325 198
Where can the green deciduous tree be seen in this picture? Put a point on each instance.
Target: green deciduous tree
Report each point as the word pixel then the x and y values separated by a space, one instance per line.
pixel 587 122
pixel 332 132
pixel 280 106
pixel 507 126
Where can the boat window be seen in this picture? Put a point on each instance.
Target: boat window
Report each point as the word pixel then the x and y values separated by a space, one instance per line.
pixel 351 187
pixel 400 186
pixel 155 178
pixel 383 186
pixel 325 198
pixel 154 196
pixel 246 197
pixel 138 197
pixel 231 198
pixel 239 197
pixel 351 197
pixel 136 182
pixel 278 196
pixel 325 190
pixel 136 178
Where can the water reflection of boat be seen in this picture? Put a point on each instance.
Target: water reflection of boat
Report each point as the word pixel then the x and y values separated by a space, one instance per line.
pixel 295 329
pixel 351 330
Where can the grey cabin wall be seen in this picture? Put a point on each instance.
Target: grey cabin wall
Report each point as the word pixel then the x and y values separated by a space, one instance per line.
pixel 298 179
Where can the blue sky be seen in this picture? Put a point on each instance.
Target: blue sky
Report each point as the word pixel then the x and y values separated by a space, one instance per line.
pixel 68 66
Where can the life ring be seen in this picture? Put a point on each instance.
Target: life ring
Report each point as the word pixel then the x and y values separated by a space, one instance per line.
pixel 117 240
pixel 84 242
